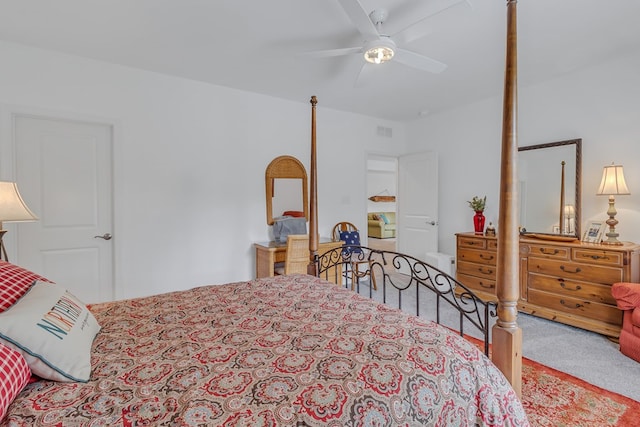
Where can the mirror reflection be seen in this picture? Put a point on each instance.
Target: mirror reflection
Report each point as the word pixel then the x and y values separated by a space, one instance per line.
pixel 286 196
pixel 286 187
pixel 550 186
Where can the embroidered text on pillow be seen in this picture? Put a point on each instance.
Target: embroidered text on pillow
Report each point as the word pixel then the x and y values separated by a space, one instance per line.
pixel 62 317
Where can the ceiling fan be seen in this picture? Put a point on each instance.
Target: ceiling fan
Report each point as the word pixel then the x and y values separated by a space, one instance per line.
pixel 379 47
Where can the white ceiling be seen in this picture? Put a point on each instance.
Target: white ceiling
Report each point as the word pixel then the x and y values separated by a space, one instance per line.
pixel 256 45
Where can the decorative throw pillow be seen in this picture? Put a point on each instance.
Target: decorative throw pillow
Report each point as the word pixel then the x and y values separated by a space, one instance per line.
pixel 14 282
pixel 384 218
pixel 53 331
pixel 14 375
pixel 350 238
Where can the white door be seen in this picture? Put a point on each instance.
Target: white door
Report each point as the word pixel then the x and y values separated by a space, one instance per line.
pixel 417 225
pixel 64 172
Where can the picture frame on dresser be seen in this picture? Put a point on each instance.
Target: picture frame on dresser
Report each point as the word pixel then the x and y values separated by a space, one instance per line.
pixel 593 232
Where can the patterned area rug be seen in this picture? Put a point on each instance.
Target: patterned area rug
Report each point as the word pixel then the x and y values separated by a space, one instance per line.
pixel 554 398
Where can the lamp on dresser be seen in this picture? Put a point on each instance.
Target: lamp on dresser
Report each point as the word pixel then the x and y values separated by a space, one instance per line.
pixel 12 209
pixel 612 184
pixel 569 219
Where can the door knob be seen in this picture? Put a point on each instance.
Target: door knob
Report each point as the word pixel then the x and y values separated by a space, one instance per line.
pixel 105 236
pixel 432 222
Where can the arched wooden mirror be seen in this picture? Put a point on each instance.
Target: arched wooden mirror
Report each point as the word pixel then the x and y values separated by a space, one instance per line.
pixel 550 187
pixel 286 187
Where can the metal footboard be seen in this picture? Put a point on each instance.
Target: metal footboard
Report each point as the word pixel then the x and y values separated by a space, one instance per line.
pixel 402 279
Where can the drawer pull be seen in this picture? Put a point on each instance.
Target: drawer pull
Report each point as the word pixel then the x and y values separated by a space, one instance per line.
pixel 471 243
pixel 485 257
pixel 486 286
pixel 549 251
pixel 577 270
pixel 564 286
pixel 596 257
pixel 483 271
pixel 574 306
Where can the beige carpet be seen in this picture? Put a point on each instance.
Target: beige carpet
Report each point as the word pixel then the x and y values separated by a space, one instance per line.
pixel 382 244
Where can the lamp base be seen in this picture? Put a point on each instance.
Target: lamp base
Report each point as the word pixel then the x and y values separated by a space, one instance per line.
pixel 612 236
pixel 612 240
pixel 3 251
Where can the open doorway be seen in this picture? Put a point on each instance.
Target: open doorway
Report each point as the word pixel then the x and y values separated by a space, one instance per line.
pixel 382 188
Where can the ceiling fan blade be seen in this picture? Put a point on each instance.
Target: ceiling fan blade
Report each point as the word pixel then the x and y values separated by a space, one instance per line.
pixel 418 61
pixel 364 76
pixel 424 27
pixel 331 52
pixel 360 18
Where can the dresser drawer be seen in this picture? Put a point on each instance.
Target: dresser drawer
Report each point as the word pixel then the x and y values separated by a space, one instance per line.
pixel 492 244
pixel 481 257
pixel 280 256
pixel 471 242
pixel 571 288
pixel 478 270
pixel 576 306
pixel 548 251
pixel 477 283
pixel 575 271
pixel 600 257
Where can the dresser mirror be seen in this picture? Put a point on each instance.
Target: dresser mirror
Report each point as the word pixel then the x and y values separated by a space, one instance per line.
pixel 550 187
pixel 286 187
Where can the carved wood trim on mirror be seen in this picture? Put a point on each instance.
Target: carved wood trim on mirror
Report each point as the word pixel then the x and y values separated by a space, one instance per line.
pixel 550 188
pixel 286 168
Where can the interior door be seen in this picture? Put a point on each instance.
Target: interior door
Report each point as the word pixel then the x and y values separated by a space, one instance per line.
pixel 64 171
pixel 417 227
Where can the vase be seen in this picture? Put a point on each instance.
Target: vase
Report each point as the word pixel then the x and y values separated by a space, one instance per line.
pixel 478 222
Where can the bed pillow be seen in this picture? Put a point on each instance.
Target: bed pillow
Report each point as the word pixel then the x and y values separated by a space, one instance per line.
pixel 14 375
pixel 53 330
pixel 350 238
pixel 14 283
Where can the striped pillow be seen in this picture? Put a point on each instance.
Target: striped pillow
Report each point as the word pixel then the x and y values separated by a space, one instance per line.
pixel 14 375
pixel 14 283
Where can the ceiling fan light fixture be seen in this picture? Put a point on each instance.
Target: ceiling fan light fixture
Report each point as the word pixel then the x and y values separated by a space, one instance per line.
pixel 379 51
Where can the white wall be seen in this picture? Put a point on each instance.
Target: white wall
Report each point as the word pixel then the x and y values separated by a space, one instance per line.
pixel 189 162
pixel 190 157
pixel 598 104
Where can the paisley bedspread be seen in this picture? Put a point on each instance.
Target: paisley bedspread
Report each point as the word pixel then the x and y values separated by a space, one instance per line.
pixel 286 351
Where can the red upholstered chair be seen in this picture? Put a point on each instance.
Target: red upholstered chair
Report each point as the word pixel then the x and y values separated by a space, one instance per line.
pixel 627 296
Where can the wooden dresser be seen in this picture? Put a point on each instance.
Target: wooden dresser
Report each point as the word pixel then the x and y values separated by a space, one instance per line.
pixel 561 281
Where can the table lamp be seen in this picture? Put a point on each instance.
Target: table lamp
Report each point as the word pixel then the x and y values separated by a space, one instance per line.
pixel 612 184
pixel 569 219
pixel 12 209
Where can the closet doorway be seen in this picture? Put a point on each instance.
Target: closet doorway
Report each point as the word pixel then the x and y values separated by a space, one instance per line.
pixel 413 179
pixel 382 186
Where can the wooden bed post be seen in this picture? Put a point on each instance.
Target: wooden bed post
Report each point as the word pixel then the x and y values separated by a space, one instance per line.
pixel 313 199
pixel 507 336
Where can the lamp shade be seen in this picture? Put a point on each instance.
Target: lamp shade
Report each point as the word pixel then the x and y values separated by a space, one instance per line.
pixel 613 182
pixel 12 207
pixel 569 211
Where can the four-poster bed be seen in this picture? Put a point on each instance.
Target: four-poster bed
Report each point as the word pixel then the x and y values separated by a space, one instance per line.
pixel 507 336
pixel 292 350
